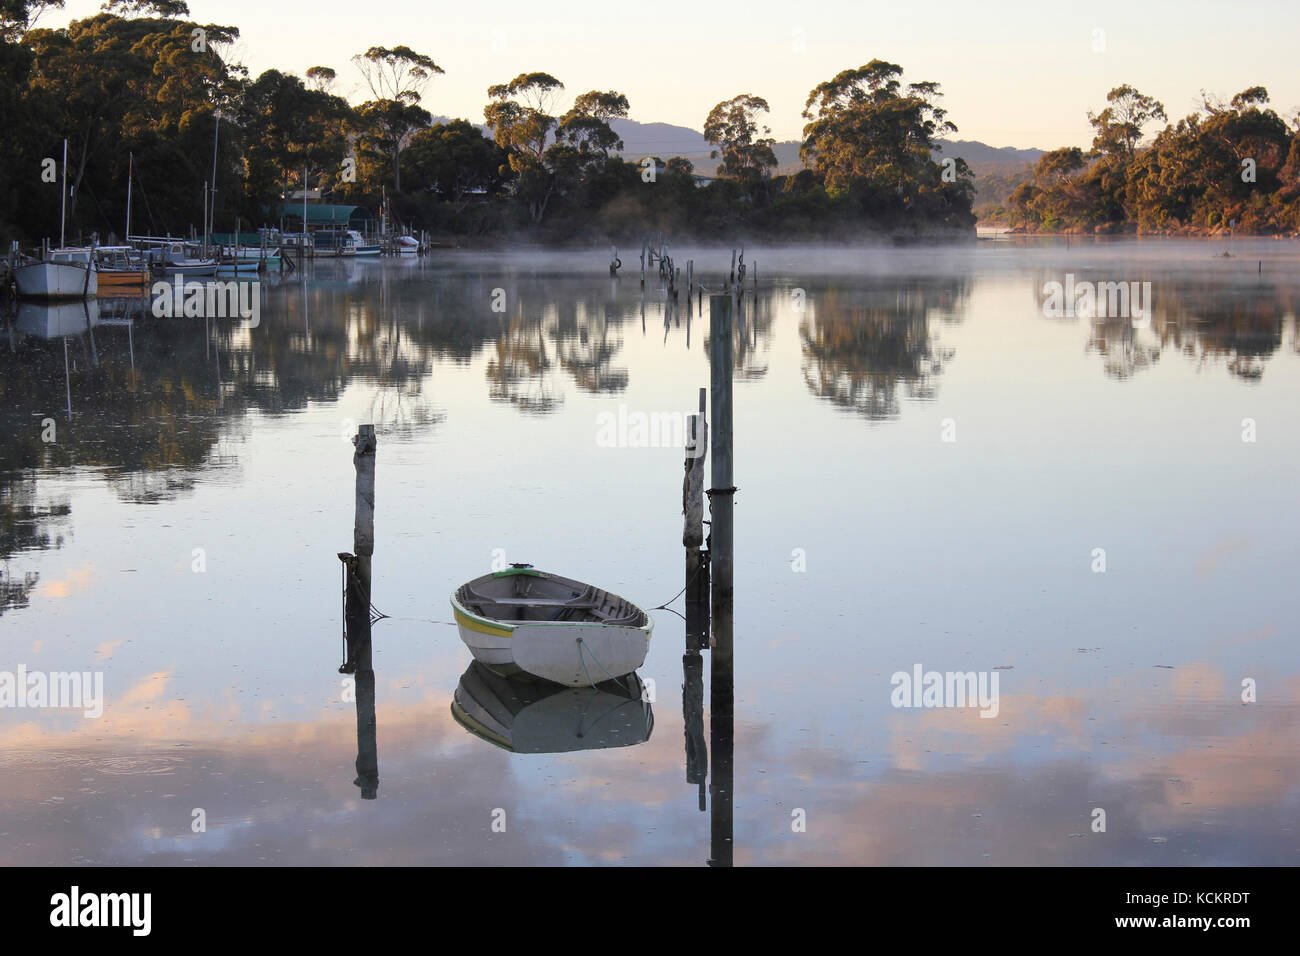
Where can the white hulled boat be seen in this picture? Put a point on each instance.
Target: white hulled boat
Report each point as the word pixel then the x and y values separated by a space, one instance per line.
pixel 524 621
pixel 63 274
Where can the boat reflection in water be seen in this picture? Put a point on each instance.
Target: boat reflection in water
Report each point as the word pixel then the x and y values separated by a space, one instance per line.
pixel 55 320
pixel 539 717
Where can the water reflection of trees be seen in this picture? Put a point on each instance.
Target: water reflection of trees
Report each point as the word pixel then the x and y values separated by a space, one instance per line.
pixel 863 345
pixel 1208 320
pixel 519 371
pixel 27 523
pixel 751 333
pixel 1124 350
pixel 142 401
pixel 1239 325
pixel 553 326
pixel 587 337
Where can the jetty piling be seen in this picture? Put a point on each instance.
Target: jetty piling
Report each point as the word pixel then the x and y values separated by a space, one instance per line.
pixel 697 575
pixel 357 611
pixel 721 571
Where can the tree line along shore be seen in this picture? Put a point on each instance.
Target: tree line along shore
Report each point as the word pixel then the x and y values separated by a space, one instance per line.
pixel 144 94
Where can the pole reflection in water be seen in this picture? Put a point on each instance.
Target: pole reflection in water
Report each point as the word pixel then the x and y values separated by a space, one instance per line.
pixel 697 599
pixel 367 747
pixel 357 613
pixel 697 754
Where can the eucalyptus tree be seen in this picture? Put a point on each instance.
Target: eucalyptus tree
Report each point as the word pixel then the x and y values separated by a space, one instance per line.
pixel 321 78
pixel 584 141
pixel 452 160
pixel 1120 125
pixel 732 128
pixel 19 16
pixel 865 126
pixel 521 116
pixel 147 84
pixel 872 140
pixel 287 127
pixel 397 78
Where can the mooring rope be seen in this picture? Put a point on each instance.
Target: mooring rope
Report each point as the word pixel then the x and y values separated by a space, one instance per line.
pixel 581 645
pixel 704 560
pixel 429 620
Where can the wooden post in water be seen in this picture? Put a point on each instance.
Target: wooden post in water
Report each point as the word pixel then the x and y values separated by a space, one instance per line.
pixel 697 575
pixel 721 561
pixel 363 530
pixel 357 609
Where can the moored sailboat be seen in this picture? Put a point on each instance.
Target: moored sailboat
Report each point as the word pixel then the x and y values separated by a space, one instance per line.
pixel 120 269
pixel 62 274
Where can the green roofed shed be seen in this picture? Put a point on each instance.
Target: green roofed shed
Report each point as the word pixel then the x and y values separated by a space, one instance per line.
pixel 318 216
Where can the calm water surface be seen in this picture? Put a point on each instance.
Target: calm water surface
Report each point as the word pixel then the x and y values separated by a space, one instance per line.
pixel 179 536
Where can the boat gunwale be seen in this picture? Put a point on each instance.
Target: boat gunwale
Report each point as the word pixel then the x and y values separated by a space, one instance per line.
pixel 510 626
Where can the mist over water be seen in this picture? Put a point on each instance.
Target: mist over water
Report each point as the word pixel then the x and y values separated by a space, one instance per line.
pixel 927 464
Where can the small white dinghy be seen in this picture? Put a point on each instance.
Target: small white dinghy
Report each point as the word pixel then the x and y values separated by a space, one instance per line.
pixel 524 621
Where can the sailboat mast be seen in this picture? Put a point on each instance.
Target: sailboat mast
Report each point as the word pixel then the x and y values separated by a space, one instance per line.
pixel 212 219
pixel 130 170
pixel 63 208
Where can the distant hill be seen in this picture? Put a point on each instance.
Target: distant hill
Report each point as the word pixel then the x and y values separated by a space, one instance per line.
pixel 994 166
pixel 981 157
pixel 665 140
pixel 659 139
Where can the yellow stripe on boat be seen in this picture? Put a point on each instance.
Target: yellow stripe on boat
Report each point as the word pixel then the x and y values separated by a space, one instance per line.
pixel 475 624
pixel 478 729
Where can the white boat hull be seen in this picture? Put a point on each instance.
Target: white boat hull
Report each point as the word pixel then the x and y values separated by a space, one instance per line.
pixel 190 269
pixel 55 280
pixel 574 653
